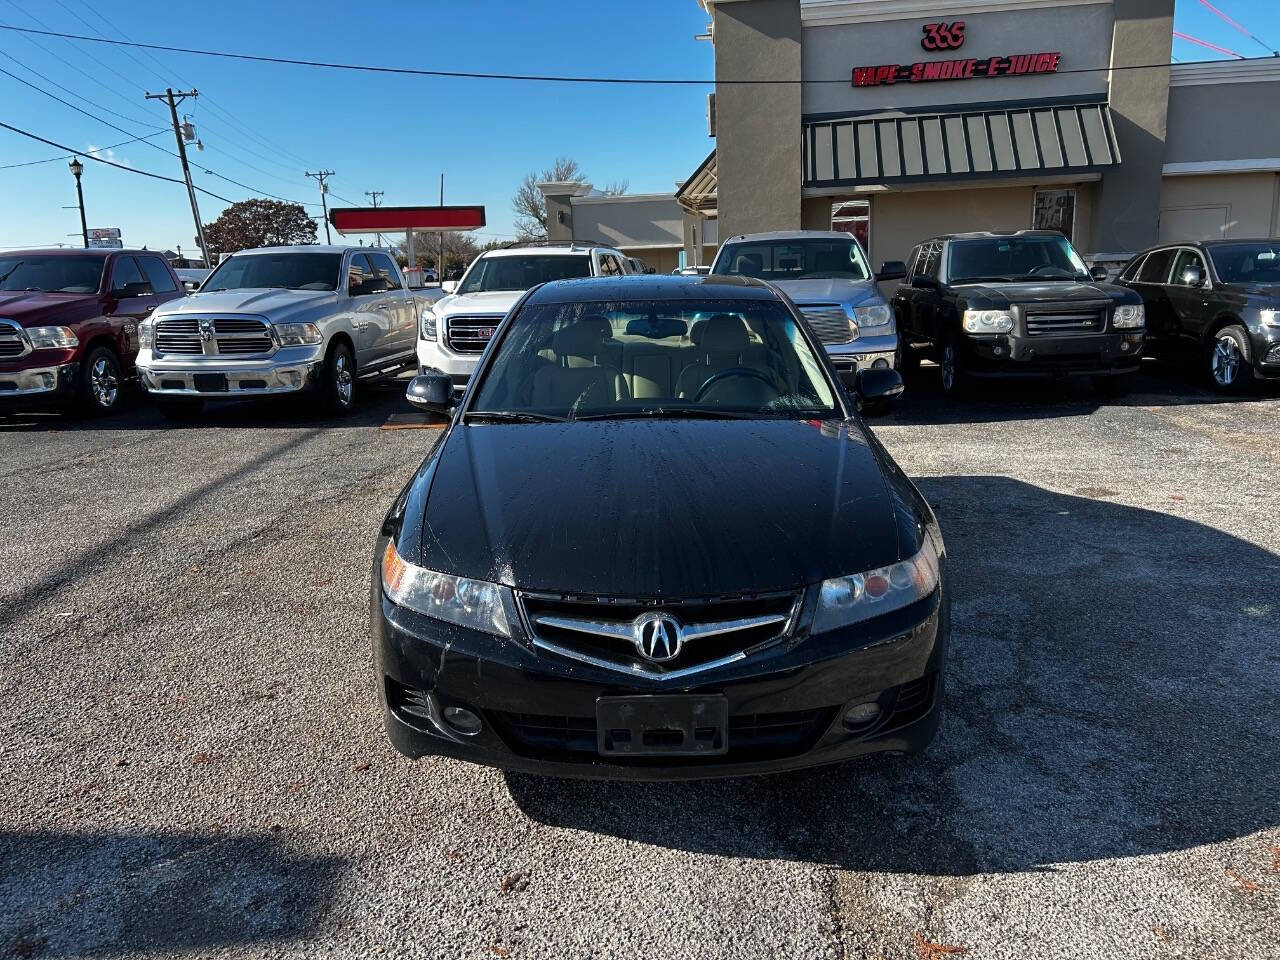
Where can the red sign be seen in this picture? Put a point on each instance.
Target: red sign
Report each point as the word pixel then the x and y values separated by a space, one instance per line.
pixel 400 219
pixel 1014 65
pixel 943 36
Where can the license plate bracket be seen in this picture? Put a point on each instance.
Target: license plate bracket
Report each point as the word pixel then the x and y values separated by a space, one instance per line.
pixel 209 382
pixel 662 725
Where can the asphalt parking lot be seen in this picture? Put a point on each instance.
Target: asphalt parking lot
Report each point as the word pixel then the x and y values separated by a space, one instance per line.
pixel 193 759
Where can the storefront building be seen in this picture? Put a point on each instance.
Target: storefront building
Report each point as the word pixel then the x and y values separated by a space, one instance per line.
pixel 902 119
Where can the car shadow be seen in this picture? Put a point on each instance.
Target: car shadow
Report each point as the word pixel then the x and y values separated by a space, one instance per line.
pixel 1005 400
pixel 106 894
pixel 1111 688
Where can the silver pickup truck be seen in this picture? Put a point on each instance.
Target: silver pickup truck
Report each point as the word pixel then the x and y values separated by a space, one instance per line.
pixel 282 320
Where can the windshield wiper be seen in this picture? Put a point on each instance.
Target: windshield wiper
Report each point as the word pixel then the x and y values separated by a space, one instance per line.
pixel 510 416
pixel 992 279
pixel 674 413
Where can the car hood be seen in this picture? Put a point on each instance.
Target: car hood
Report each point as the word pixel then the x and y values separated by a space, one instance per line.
pixel 491 302
pixel 1035 291
pixel 34 307
pixel 817 290
pixel 657 508
pixel 262 302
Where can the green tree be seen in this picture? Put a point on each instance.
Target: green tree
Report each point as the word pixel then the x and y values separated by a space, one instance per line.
pixel 258 223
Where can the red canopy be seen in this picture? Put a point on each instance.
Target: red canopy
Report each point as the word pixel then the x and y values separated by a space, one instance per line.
pixel 401 219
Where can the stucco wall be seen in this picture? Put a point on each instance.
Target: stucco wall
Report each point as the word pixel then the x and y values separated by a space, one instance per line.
pixel 1223 121
pixel 758 125
pixel 628 221
pixel 1211 207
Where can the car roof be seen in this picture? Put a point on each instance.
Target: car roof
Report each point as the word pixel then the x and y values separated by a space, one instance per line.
pixel 70 252
pixel 793 235
pixel 574 250
pixel 653 287
pixel 993 235
pixel 307 248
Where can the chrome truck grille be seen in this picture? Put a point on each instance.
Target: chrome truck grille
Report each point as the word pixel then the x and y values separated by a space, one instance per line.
pixel 620 634
pixel 1057 319
pixel 470 334
pixel 12 343
pixel 828 321
pixel 212 336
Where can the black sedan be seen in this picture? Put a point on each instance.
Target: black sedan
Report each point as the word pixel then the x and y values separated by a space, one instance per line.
pixel 1219 301
pixel 656 540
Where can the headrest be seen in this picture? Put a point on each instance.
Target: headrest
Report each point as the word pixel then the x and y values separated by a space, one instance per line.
pixel 724 333
pixel 583 338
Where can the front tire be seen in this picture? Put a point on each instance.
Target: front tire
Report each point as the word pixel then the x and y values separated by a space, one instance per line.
pixel 99 389
pixel 1230 364
pixel 337 381
pixel 956 382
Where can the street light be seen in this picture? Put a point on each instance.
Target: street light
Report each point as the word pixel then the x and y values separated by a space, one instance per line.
pixel 77 168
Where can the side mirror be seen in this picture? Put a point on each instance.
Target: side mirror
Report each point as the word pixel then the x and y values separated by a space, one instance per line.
pixel 432 392
pixel 449 286
pixel 1099 273
pixel 1192 275
pixel 891 270
pixel 921 282
pixel 879 386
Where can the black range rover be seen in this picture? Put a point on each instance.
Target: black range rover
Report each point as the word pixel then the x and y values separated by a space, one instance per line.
pixel 1016 304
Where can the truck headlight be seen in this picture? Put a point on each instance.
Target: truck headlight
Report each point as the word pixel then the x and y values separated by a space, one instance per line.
pixel 296 334
pixel 52 338
pixel 987 321
pixel 872 315
pixel 147 335
pixel 428 324
pixel 1128 316
pixel 474 604
pixel 847 600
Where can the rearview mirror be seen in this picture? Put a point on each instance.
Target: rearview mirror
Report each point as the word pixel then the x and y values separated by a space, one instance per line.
pixel 1099 273
pixel 432 392
pixel 891 270
pixel 1192 275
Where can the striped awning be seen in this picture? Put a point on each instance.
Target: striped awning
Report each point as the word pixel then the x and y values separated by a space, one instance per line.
pixel 698 194
pixel 1017 141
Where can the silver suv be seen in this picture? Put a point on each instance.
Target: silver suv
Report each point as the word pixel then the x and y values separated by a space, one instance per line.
pixel 826 275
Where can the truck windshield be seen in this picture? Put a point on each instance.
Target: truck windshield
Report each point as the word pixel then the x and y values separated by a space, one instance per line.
pixel 819 258
pixel 996 259
pixel 52 274
pixel 1247 262
pixel 290 271
pixel 523 272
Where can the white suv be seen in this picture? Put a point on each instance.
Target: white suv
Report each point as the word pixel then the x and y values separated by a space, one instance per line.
pixel 456 329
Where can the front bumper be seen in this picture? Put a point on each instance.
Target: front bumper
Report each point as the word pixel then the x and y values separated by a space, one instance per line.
pixel 864 352
pixel 538 710
pixel 435 358
pixel 1017 355
pixel 288 371
pixel 37 385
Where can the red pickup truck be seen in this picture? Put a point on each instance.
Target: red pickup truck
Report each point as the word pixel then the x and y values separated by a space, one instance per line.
pixel 69 324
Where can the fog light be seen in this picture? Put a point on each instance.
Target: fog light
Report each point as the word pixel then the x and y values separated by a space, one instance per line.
pixel 1124 346
pixel 880 364
pixel 1273 355
pixel 861 716
pixel 48 380
pixel 295 378
pixel 462 720
pixel 998 350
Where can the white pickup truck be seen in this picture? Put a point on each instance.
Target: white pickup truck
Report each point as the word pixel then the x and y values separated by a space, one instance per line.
pixel 282 320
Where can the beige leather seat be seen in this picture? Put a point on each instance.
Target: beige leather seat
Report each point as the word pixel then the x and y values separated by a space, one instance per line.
pixel 580 372
pixel 723 342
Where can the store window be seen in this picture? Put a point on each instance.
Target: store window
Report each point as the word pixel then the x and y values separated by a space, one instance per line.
pixel 854 216
pixel 1055 210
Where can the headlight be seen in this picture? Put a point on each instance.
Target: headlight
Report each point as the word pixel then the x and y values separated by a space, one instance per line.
pixel 296 334
pixel 875 315
pixel 468 603
pixel 1270 317
pixel 987 321
pixel 146 335
pixel 428 324
pixel 1129 315
pixel 52 338
pixel 847 600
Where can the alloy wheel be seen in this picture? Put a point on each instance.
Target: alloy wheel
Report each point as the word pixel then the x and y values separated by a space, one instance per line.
pixel 1226 361
pixel 104 383
pixel 342 378
pixel 948 367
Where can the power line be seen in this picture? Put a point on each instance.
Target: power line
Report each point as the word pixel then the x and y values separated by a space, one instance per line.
pixel 1210 46
pixel 78 96
pixel 530 77
pixel 68 156
pixel 1243 29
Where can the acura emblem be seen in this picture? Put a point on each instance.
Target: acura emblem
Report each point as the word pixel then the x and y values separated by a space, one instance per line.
pixel 657 637
pixel 206 330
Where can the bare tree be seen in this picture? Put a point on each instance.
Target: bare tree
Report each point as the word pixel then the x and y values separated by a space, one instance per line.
pixel 530 206
pixel 616 188
pixel 459 250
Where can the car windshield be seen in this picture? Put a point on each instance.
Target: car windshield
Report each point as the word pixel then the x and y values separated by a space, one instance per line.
pixel 654 358
pixel 1014 258
pixel 524 271
pixel 1247 262
pixel 291 271
pixel 828 258
pixel 52 274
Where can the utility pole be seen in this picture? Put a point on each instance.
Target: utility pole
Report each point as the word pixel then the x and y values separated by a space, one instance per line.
pixel 320 178
pixel 174 99
pixel 374 195
pixel 440 277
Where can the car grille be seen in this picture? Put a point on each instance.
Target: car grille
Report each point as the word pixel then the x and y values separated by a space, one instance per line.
pixel 597 630
pixel 470 334
pixel 12 343
pixel 233 336
pixel 1063 318
pixel 828 321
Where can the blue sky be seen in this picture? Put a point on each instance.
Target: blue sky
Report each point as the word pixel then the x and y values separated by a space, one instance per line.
pixel 263 124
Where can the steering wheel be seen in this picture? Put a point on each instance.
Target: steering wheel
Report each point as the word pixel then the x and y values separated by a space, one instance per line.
pixel 748 372
pixel 1044 268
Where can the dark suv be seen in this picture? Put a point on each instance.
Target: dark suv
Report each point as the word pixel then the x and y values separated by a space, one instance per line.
pixel 69 324
pixel 1016 304
pixel 1218 301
